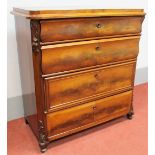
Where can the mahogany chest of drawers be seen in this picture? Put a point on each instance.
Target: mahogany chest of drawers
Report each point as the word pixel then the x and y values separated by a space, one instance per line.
pixel 77 67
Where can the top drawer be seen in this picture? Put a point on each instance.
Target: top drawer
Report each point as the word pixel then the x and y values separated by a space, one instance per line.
pixel 86 28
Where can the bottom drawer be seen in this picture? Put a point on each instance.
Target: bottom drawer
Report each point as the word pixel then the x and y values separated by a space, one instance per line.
pixel 113 106
pixel 83 116
pixel 71 118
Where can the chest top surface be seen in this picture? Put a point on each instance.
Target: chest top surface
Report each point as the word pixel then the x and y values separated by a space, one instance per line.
pixel 42 13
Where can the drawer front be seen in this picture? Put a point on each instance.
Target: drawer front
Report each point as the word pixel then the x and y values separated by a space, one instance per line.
pixel 72 29
pixel 69 119
pixel 83 116
pixel 79 56
pixel 81 85
pixel 113 106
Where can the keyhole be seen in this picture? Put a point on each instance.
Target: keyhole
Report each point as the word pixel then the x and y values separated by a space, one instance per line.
pixel 98 25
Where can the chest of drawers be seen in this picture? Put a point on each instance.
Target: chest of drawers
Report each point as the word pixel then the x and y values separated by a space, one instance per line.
pixel 77 67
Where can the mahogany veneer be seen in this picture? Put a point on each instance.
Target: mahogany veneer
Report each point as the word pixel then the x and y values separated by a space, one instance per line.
pixel 77 67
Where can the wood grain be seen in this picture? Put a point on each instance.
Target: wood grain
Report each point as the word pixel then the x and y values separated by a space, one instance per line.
pixel 72 29
pixel 74 119
pixel 116 104
pixel 79 65
pixel 70 118
pixel 42 13
pixel 88 54
pixel 87 84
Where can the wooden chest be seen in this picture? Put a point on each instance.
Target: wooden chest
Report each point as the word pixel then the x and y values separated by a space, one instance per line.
pixel 77 67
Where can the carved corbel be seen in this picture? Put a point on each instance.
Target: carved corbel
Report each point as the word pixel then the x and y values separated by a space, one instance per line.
pixel 35 35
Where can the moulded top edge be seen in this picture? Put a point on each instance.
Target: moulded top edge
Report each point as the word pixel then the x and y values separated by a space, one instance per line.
pixel 34 13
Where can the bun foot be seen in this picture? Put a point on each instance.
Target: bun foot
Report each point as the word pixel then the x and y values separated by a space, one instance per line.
pixel 43 150
pixel 26 122
pixel 42 137
pixel 43 147
pixel 130 115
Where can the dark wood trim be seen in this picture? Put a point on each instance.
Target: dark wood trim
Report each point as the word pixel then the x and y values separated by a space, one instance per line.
pixel 42 136
pixel 35 37
pixel 39 86
pixel 131 112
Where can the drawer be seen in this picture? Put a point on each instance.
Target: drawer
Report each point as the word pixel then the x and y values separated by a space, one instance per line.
pixel 112 107
pixel 76 86
pixel 87 54
pixel 86 115
pixel 85 28
pixel 69 119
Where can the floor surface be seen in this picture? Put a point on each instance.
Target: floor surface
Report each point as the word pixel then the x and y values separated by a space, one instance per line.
pixel 118 137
